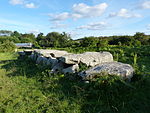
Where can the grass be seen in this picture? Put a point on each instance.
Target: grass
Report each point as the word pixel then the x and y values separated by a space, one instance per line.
pixel 28 88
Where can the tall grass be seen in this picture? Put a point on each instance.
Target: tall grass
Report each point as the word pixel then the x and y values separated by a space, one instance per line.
pixel 28 88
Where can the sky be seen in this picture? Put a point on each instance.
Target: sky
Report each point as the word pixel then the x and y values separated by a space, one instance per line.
pixel 79 18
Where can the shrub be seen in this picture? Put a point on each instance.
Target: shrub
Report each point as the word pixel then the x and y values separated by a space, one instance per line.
pixel 7 46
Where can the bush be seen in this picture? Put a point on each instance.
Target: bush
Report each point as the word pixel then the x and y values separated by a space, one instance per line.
pixel 7 46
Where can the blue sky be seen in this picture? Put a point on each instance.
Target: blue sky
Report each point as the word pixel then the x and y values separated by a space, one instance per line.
pixel 77 17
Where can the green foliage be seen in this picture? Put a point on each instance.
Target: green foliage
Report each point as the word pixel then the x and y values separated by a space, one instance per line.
pixel 135 59
pixel 7 46
pixel 54 39
pixel 26 87
pixel 88 42
pixel 61 40
pixel 121 40
pixel 102 43
pixel 82 67
pixel 16 34
pixel 27 38
pixel 142 38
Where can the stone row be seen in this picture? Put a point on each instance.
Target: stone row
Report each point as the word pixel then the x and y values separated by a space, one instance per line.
pixel 98 63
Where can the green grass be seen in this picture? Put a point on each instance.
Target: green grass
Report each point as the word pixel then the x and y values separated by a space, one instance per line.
pixel 28 88
pixel 7 56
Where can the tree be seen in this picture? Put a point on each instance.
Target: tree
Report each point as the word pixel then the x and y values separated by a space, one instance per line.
pixel 89 42
pixel 27 38
pixel 102 42
pixel 121 40
pixel 39 37
pixel 139 35
pixel 142 38
pixel 5 33
pixel 52 39
pixel 55 39
pixel 16 36
pixel 64 40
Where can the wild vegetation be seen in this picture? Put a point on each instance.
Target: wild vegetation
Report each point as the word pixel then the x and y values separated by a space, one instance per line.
pixel 63 40
pixel 29 88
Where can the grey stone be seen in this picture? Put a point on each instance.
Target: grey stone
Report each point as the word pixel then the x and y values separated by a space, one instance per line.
pixel 58 67
pixel 125 71
pixel 88 58
pixel 51 53
pixel 41 60
pixel 71 69
pixel 52 61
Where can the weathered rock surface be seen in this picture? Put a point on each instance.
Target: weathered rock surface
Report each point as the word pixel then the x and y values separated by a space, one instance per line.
pixel 51 61
pixel 58 67
pixel 41 60
pixel 71 69
pixel 88 58
pixel 65 68
pixel 125 71
pixel 101 63
pixel 51 53
pixel 47 57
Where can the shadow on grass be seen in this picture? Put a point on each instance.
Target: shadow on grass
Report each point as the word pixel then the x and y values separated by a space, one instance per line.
pixel 22 67
pixel 104 95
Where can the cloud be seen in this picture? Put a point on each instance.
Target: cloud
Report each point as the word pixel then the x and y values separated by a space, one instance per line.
pixel 16 2
pixel 23 3
pixel 34 31
pixel 59 17
pixel 80 10
pixel 76 16
pixel 148 26
pixel 94 26
pixel 58 25
pixel 124 13
pixel 145 5
pixel 30 5
pixel 74 34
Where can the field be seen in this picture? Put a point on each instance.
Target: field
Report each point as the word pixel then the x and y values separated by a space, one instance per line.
pixel 29 88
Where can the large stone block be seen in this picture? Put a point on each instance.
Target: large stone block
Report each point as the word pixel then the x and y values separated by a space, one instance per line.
pixel 41 60
pixel 51 53
pixel 71 69
pixel 125 71
pixel 52 62
pixel 88 58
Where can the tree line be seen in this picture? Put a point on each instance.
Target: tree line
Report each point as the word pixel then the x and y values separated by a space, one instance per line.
pixel 62 40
